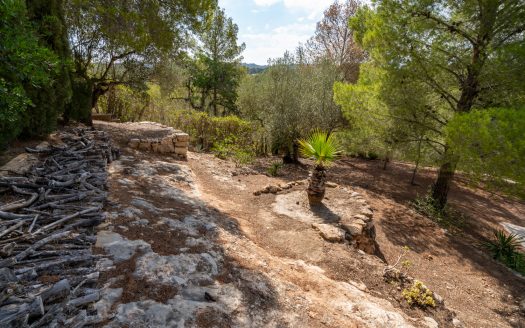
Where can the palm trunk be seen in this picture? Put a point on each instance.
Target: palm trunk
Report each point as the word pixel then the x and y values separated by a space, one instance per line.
pixel 316 185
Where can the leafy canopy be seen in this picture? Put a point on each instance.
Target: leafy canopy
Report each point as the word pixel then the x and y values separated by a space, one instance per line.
pixel 320 146
pixel 24 63
pixel 491 143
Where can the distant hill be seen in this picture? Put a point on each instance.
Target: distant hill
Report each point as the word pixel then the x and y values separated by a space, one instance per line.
pixel 254 68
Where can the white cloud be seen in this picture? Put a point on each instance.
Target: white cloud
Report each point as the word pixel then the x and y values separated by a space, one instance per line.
pixel 313 8
pixel 261 46
pixel 265 3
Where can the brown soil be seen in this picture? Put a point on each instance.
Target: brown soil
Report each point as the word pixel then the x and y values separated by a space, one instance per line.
pixel 481 291
pixel 49 279
pixel 16 148
pixel 134 289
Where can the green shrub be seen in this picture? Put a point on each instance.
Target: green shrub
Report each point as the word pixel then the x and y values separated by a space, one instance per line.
pixel 504 248
pixel 448 218
pixel 230 149
pixel 372 155
pixel 227 137
pixel 26 71
pixel 273 170
pixel 419 295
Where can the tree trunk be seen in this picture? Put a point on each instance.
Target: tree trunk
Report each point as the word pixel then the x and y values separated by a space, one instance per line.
pixel 442 185
pixel 214 101
pixel 291 156
pixel 316 185
pixel 413 180
pixel 80 107
pixel 386 160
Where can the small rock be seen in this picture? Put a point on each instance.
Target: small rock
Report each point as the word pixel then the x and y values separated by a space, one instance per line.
pixel 367 212
pixel 273 189
pixel 430 323
pixel 134 143
pixel 355 229
pixel 438 298
pixel 522 306
pixel 331 184
pixel 109 297
pixel 141 222
pixel 362 217
pixel 329 232
pixel 209 298
pixel 457 323
pixel 360 222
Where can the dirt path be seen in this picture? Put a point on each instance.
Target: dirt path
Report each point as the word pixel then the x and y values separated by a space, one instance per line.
pixel 482 292
pixel 179 256
pixel 192 246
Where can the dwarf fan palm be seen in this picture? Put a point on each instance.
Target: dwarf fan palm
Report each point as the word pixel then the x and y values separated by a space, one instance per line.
pixel 323 148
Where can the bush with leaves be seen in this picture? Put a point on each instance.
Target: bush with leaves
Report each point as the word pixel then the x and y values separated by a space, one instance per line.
pixel 419 295
pixel 448 217
pixel 504 248
pixel 24 63
pixel 228 136
pixel 492 147
pixel 273 170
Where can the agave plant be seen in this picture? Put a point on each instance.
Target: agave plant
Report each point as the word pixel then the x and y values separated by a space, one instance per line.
pixel 324 149
pixel 503 247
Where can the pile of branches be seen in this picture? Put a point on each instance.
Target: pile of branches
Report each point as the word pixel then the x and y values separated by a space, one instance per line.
pixel 48 275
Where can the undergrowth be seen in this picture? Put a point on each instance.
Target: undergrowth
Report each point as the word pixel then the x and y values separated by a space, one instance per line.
pixel 448 218
pixel 419 295
pixel 230 149
pixel 505 249
pixel 273 170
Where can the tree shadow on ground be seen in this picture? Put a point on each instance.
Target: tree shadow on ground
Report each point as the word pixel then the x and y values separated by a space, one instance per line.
pixel 324 213
pixel 165 206
pixel 402 226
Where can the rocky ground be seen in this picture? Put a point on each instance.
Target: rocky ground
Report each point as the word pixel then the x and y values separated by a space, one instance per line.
pixel 190 245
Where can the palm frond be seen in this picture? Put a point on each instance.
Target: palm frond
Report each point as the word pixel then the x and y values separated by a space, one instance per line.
pixel 320 146
pixel 503 245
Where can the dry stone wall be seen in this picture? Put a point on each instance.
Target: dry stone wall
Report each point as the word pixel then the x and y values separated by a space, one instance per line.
pixel 175 142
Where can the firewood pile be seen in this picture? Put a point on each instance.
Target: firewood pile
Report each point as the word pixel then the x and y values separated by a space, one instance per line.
pixel 48 276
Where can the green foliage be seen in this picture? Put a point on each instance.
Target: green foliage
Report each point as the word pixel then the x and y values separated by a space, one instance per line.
pixel 491 145
pixel 50 100
pixel 227 135
pixel 121 42
pixel 273 170
pixel 26 66
pixel 289 98
pixel 230 149
pixel 419 295
pixel 447 217
pixel 431 60
pixel 216 71
pixel 320 146
pixel 504 248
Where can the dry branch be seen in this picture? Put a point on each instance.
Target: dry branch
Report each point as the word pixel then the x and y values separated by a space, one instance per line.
pixel 59 200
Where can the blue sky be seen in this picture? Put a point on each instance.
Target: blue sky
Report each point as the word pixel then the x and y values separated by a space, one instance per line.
pixel 270 27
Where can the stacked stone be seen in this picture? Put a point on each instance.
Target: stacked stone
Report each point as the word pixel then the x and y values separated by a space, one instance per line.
pixel 360 227
pixel 176 144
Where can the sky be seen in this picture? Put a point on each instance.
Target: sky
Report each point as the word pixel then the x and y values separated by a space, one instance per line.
pixel 270 27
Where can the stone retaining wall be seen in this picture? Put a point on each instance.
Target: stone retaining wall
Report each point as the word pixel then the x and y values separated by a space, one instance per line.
pixel 175 142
